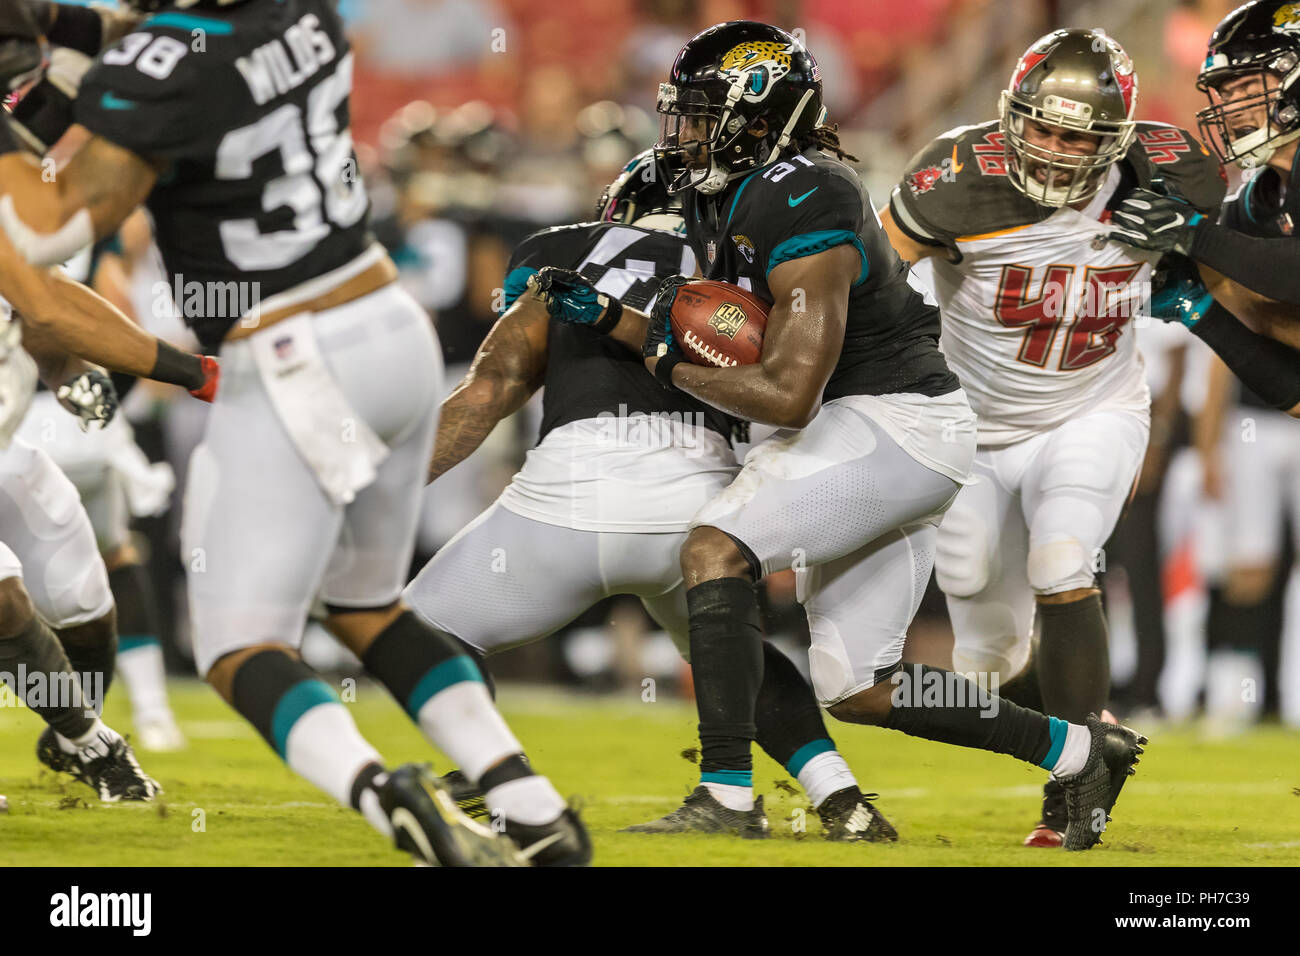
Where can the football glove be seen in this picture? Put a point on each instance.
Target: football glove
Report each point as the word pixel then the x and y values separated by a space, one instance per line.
pixel 1178 294
pixel 660 342
pixel 1148 220
pixel 570 297
pixel 91 397
pixel 207 392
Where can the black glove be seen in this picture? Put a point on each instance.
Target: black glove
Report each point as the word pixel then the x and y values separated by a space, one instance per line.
pixel 660 342
pixel 20 45
pixel 1149 220
pixel 570 297
pixel 91 397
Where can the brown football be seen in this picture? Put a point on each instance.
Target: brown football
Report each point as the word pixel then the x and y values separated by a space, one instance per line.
pixel 718 324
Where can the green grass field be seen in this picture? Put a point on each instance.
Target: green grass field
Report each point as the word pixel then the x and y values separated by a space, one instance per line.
pixel 1193 803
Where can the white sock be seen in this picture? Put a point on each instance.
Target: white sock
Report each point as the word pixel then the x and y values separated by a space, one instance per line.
pixel 142 671
pixel 93 743
pixel 1074 754
pixel 325 748
pixel 531 800
pixel 370 809
pixel 463 723
pixel 731 796
pixel 825 774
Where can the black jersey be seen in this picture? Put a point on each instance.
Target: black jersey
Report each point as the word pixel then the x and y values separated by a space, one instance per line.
pixel 1264 208
pixel 587 374
pixel 805 205
pixel 247 106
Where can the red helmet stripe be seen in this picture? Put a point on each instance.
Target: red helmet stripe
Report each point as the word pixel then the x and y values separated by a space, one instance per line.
pixel 1027 63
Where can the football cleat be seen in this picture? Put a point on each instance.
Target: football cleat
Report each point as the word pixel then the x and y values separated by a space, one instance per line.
pixel 469 798
pixel 1051 826
pixel 848 817
pixel 108 767
pixel 702 813
pixel 1091 793
pixel 427 824
pixel 562 842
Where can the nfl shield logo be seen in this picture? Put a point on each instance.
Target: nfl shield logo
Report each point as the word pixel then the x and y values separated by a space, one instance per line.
pixel 711 250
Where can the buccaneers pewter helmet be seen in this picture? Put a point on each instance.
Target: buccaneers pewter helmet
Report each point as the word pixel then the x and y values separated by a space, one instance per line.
pixel 1078 79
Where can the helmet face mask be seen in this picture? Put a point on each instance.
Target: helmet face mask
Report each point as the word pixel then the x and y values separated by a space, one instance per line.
pixel 738 94
pixel 636 193
pixel 1070 81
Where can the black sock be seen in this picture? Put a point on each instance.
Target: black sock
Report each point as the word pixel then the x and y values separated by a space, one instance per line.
pixel 136 605
pixel 727 663
pixel 1073 659
pixel 1241 627
pixel 1023 689
pixel 57 697
pixel 480 660
pixel 266 679
pixel 363 781
pixel 787 717
pixel 92 652
pixel 415 660
pixel 941 705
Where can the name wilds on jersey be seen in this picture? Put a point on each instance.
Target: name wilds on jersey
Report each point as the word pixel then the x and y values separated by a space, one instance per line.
pixel 277 67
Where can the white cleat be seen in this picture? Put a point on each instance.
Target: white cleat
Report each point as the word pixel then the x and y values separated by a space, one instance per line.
pixel 160 735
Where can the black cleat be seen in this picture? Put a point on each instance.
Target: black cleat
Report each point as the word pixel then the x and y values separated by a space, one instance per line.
pixel 109 767
pixel 427 824
pixel 470 800
pixel 1091 793
pixel 702 813
pixel 848 817
pixel 562 842
pixel 1050 831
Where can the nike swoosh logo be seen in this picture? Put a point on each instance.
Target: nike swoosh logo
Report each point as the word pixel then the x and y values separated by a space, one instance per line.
pixel 794 202
pixel 111 102
pixel 404 820
pixel 541 845
pixel 956 166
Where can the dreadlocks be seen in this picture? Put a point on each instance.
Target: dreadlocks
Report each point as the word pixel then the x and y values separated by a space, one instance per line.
pixel 827 138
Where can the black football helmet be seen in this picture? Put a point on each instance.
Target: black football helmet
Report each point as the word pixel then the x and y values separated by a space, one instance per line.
pixel 638 191
pixel 1260 39
pixel 153 6
pixel 723 84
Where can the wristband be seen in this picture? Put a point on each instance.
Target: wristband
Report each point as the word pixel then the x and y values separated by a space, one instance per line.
pixel 613 312
pixel 664 368
pixel 177 367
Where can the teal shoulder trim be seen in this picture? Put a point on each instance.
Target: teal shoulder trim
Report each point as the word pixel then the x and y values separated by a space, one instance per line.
pixel 811 243
pixel 188 21
pixel 516 283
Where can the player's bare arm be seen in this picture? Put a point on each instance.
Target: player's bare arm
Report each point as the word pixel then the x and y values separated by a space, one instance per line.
pixel 906 247
pixel 507 370
pixel 50 220
pixel 800 346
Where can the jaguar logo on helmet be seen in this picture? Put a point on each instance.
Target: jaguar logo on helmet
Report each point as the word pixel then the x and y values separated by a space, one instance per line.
pixel 1287 17
pixel 760 64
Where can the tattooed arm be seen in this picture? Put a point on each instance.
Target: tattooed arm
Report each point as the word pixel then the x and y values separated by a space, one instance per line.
pixel 508 368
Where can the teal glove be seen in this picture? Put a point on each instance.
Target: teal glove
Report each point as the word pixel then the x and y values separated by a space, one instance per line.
pixel 570 297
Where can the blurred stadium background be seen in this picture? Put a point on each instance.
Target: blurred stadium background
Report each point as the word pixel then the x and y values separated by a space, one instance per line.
pixel 480 121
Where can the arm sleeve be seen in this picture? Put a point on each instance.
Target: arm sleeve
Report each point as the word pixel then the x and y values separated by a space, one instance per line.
pixel 1268 368
pixel 1270 267
pixel 816 213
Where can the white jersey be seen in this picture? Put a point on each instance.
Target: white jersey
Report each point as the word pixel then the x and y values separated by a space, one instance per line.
pixel 1037 305
pixel 1036 322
